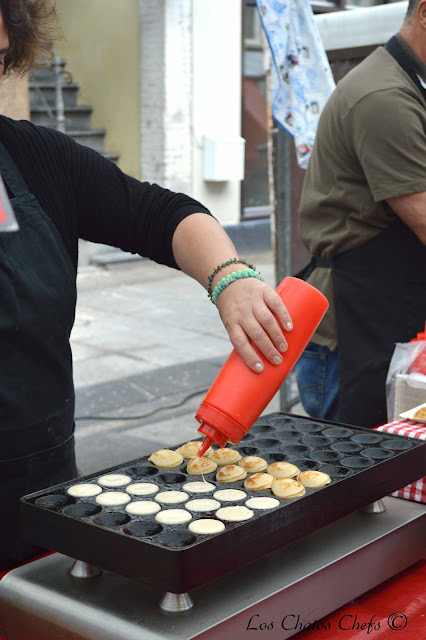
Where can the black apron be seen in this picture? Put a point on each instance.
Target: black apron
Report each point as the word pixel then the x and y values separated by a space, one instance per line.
pixel 380 299
pixel 37 308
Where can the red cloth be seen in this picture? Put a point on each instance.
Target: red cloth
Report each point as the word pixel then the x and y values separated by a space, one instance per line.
pixel 416 491
pixel 399 602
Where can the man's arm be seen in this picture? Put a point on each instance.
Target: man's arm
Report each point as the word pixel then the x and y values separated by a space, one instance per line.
pixel 411 209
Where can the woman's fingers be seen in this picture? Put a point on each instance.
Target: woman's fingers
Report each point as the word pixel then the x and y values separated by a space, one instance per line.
pixel 278 308
pixel 271 328
pixel 241 344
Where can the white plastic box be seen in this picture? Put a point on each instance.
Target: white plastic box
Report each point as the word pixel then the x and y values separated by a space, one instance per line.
pixel 224 158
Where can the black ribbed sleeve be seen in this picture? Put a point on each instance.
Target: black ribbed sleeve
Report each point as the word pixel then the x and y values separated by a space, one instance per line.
pixel 89 197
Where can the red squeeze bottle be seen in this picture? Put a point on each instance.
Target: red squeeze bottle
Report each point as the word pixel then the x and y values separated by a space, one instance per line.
pixel 238 395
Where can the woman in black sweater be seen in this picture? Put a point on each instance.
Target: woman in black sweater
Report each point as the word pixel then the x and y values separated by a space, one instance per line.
pixel 61 191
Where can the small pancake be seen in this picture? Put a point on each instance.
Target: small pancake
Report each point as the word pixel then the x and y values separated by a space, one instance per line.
pixel 313 479
pixel 114 480
pixel 199 487
pixel 262 503
pixel 420 414
pixel 173 516
pixel 84 490
pixel 166 458
pixel 225 456
pixel 203 504
pixel 288 488
pixel 283 469
pixel 229 495
pixel 143 508
pixel 190 449
pixel 234 514
pixel 231 473
pixel 171 497
pixel 259 482
pixel 113 498
pixel 197 466
pixel 142 488
pixel 206 526
pixel 253 464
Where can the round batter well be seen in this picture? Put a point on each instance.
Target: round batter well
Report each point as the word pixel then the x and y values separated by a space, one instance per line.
pixel 262 503
pixel 199 487
pixel 173 516
pixel 143 508
pixel 234 514
pixel 84 490
pixel 142 488
pixel 229 495
pixel 171 497
pixel 114 480
pixel 205 504
pixel 112 498
pixel 206 526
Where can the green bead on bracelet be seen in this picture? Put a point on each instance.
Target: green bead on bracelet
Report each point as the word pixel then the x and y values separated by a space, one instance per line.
pixel 222 266
pixel 232 277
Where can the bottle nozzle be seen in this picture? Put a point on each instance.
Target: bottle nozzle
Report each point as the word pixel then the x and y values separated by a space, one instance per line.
pixel 206 445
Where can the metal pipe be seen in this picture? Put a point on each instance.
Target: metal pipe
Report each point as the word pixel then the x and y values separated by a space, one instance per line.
pixel 59 98
pixel 283 229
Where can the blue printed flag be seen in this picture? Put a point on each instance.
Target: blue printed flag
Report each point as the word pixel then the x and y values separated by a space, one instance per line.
pixel 301 78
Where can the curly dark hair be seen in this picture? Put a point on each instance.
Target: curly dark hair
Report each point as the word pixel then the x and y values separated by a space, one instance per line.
pixel 32 27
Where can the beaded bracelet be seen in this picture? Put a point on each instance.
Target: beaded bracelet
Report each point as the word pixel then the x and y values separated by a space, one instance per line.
pixel 222 266
pixel 232 277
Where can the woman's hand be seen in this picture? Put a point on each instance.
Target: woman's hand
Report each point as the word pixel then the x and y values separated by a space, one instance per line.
pixel 247 308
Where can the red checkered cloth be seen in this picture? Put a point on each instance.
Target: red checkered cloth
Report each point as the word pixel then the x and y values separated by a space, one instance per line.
pixel 416 491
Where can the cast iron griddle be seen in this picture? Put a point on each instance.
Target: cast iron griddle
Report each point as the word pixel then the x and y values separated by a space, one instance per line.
pixel 364 466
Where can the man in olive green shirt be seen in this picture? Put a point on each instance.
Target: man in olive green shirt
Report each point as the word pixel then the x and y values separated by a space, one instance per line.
pixel 366 176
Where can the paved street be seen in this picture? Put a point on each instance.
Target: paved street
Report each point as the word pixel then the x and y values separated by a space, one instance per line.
pixel 147 344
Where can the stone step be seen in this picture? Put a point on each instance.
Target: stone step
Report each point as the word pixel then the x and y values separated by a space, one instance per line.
pixel 93 138
pixel 77 117
pixel 47 73
pixel 69 92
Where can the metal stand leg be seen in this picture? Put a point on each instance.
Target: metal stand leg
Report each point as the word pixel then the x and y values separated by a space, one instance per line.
pixel 82 569
pixel 176 602
pixel 375 507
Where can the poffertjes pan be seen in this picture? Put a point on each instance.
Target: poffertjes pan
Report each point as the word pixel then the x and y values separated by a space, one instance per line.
pixel 76 525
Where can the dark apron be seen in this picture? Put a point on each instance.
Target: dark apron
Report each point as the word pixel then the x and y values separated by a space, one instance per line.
pixel 380 299
pixel 37 307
